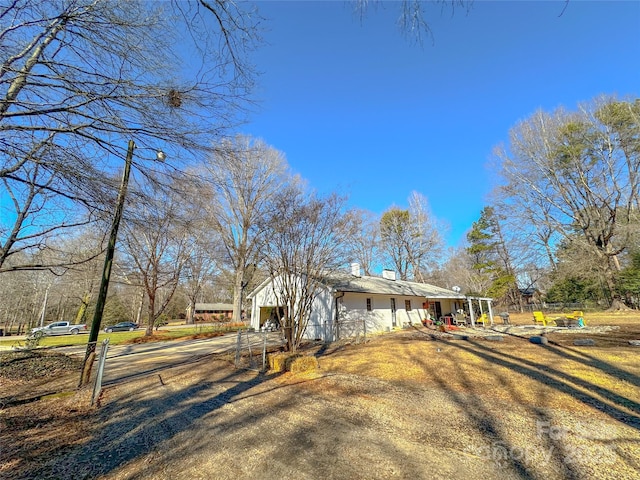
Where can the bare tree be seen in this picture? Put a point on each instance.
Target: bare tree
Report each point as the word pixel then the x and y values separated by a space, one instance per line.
pixel 20 297
pixel 81 279
pixel 244 176
pixel 363 240
pixel 79 78
pixel 304 241
pixel 457 270
pixel 577 172
pixel 411 238
pixel 429 245
pixel 199 269
pixel 68 289
pixel 413 15
pixel 396 238
pixel 26 220
pixel 158 243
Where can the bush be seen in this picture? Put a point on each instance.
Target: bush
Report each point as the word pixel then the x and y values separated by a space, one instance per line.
pixel 572 290
pixel 161 321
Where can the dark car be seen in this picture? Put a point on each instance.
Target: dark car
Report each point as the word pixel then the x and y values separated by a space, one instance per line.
pixel 121 327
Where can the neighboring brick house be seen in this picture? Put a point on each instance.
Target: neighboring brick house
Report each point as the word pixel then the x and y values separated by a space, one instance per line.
pixel 208 312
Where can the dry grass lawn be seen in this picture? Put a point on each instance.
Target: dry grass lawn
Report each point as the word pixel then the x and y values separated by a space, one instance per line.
pixel 411 404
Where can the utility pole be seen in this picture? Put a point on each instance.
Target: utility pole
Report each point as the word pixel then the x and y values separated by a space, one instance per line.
pixel 106 271
pixel 44 306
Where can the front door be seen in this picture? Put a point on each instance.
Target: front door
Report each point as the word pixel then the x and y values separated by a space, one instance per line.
pixel 393 312
pixel 438 308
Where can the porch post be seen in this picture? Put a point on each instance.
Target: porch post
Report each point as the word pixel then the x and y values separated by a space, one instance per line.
pixel 490 311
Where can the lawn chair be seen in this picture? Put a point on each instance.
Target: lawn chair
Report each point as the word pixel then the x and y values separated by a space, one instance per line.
pixel 539 317
pixel 577 318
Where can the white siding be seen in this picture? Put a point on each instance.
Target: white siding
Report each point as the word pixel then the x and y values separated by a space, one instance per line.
pixel 320 324
pixel 263 298
pixel 322 314
pixel 354 319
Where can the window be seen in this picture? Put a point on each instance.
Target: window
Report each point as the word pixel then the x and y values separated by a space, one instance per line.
pixel 369 305
pixel 407 305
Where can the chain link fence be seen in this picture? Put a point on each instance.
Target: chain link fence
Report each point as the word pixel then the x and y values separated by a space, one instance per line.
pixel 553 307
pixel 251 350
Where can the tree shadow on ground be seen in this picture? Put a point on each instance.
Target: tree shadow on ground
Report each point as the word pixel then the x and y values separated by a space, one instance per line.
pixel 309 433
pixel 131 427
pixel 545 373
pixel 576 355
pixel 495 445
pixel 139 436
pixel 550 440
pixel 581 390
pixel 300 434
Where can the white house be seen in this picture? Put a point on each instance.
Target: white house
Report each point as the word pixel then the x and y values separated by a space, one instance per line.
pixel 348 304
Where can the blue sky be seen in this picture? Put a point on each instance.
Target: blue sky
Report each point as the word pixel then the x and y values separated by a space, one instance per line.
pixel 359 108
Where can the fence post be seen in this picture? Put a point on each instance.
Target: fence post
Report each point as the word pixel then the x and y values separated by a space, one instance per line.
pixel 251 361
pixel 97 386
pixel 238 347
pixel 264 352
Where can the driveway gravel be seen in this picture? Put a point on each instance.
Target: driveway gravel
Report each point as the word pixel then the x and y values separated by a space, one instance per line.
pixel 206 420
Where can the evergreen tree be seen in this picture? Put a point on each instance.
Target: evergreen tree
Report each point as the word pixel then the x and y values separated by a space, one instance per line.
pixel 491 263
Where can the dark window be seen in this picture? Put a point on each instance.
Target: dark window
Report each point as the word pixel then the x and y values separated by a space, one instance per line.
pixel 369 306
pixel 407 305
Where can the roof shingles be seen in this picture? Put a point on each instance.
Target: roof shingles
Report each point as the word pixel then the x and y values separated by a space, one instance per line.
pixel 379 285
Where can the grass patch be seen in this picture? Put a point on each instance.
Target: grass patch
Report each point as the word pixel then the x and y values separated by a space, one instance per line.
pixel 512 371
pixel 137 336
pixel 630 317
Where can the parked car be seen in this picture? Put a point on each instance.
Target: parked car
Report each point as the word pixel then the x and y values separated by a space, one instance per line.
pixel 121 327
pixel 57 328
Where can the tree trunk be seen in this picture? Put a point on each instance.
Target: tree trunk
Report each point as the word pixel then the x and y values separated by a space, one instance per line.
pixel 151 310
pixel 238 289
pixel 192 311
pixel 83 308
pixel 288 333
pixel 618 305
pixel 140 305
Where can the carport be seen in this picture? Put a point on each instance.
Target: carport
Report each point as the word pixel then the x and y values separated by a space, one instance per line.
pixel 271 314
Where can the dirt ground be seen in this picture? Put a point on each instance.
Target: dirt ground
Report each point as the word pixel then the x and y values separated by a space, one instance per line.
pixel 414 404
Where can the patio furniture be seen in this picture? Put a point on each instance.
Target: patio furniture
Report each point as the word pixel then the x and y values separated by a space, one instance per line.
pixel 539 317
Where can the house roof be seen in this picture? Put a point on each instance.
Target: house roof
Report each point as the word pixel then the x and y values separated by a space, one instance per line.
pixel 346 282
pixel 214 306
pixel 340 282
pixel 528 291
